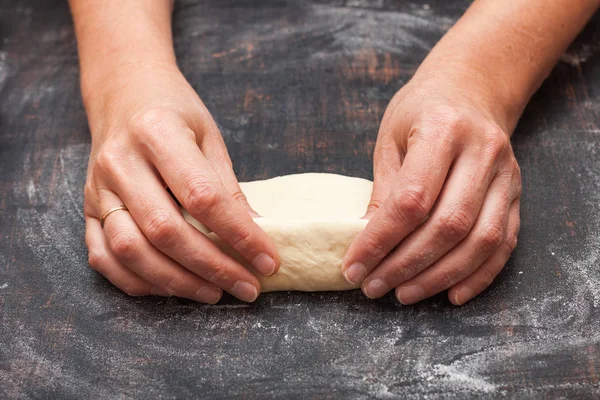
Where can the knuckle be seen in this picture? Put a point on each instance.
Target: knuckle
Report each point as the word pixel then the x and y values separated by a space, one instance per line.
pixel 377 247
pixel 106 159
pixel 491 238
pixel 445 122
pixel 517 179
pixel 215 273
pixel 447 116
pixel 454 226
pixel 150 121
pixel 496 141
pixel 173 286
pixel 95 259
pixel 238 195
pixel 517 170
pixel 242 240
pixel 201 197
pixel 134 289
pixel 410 204
pixel 403 271
pixel 486 276
pixel 88 190
pixel 162 229
pixel 446 279
pixel 510 244
pixel 124 246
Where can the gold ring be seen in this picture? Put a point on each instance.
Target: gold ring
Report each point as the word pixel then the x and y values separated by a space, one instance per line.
pixel 121 207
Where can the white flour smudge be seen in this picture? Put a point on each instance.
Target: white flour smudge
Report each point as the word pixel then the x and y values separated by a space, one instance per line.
pixel 4 68
pixel 456 376
pixel 579 56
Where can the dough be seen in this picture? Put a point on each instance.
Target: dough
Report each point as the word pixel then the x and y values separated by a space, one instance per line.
pixel 312 218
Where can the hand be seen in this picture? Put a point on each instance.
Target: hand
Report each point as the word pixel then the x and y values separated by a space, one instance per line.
pixel 444 212
pixel 149 131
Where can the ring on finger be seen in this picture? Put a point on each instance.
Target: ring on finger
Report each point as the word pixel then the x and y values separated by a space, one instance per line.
pixel 120 207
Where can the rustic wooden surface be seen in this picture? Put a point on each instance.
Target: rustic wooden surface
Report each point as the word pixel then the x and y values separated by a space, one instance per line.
pixel 295 86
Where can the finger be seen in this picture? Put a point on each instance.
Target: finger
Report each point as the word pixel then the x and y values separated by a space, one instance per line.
pixel 201 192
pixel 102 261
pixel 158 217
pixel 415 191
pixel 387 161
pixel 214 149
pixel 478 281
pixel 133 250
pixel 452 219
pixel 222 166
pixel 484 239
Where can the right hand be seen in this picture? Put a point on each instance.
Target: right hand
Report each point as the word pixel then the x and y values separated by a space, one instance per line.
pixel 150 131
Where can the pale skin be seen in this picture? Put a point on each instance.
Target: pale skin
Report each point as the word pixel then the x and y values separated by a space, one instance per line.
pixel 444 213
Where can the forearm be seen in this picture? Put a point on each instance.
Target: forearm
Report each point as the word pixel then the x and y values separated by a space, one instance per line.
pixel 115 35
pixel 505 49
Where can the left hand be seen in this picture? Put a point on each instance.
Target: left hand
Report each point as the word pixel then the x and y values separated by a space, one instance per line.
pixel 444 213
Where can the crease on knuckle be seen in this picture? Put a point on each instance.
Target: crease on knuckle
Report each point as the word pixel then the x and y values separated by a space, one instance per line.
pixel 491 238
pixel 162 229
pixel 410 205
pixel 215 273
pixel 374 205
pixel 201 198
pixel 378 248
pixel 242 241
pixel 124 246
pixel 454 225
pixel 403 271
pixel 238 195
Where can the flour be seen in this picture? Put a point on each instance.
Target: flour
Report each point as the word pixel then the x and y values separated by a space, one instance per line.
pixel 576 57
pixel 64 326
pixel 4 68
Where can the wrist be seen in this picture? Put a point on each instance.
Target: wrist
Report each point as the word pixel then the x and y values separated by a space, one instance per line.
pixel 110 89
pixel 477 86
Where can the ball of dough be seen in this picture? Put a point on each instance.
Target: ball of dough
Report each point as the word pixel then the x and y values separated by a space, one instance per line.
pixel 312 219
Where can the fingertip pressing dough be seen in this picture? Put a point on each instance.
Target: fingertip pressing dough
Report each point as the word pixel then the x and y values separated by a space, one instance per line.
pixel 312 219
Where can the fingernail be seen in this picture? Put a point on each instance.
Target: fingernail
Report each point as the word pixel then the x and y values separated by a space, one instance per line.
pixel 410 294
pixel 244 291
pixel 463 295
pixel 208 294
pixel 355 273
pixel 375 288
pixel 264 264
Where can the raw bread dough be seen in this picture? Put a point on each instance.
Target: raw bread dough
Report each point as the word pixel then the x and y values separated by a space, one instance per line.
pixel 312 218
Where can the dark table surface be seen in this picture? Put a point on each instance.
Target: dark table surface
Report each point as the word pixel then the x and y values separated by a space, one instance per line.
pixel 296 86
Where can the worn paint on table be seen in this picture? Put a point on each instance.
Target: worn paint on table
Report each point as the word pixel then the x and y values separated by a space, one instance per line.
pixel 295 86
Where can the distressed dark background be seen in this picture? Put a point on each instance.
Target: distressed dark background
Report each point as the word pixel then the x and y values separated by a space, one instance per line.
pixel 295 86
